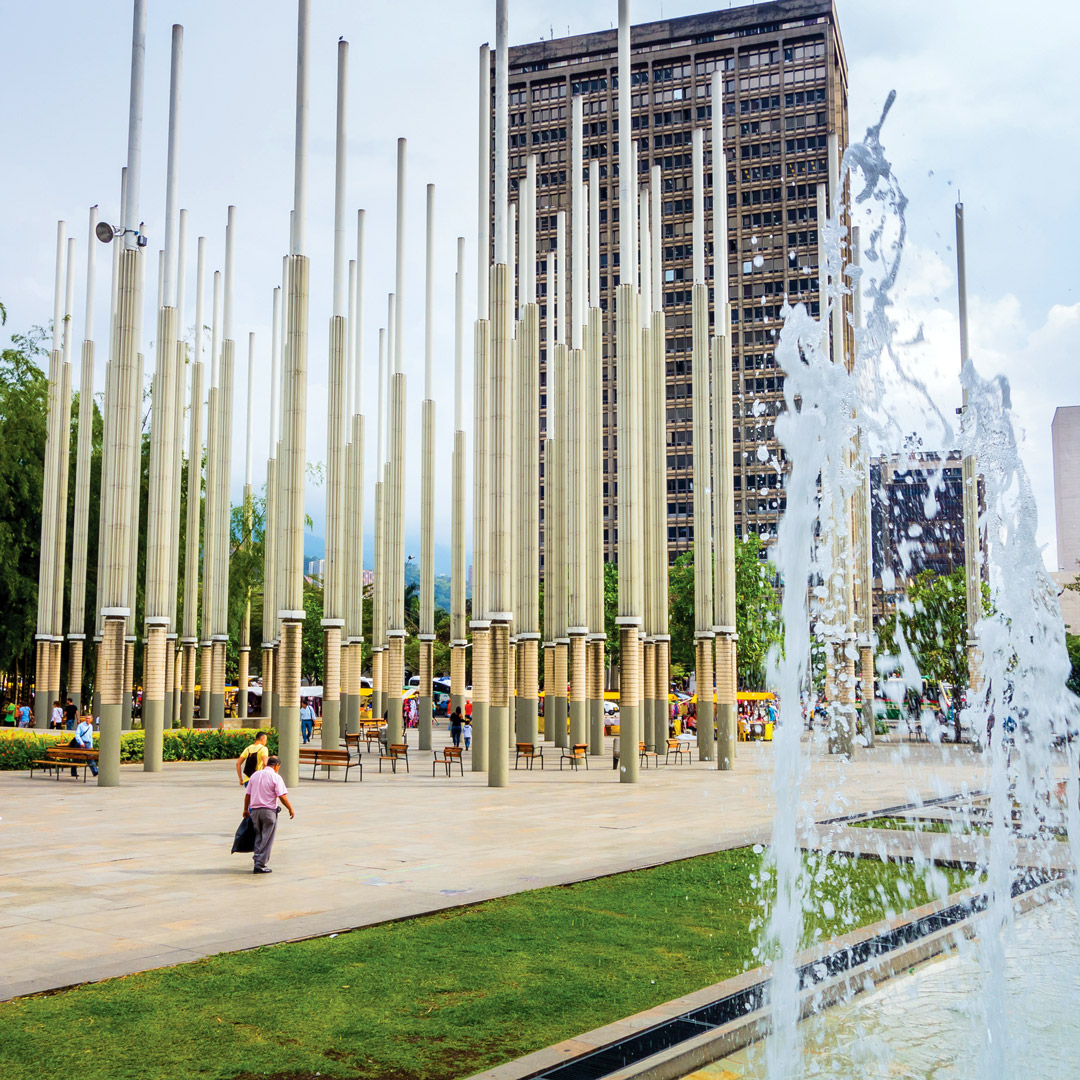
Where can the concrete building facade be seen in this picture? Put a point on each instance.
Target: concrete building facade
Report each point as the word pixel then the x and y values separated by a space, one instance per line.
pixel 1065 438
pixel 785 92
pixel 917 520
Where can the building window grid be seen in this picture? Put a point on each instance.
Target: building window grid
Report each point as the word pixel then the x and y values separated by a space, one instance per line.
pixel 650 120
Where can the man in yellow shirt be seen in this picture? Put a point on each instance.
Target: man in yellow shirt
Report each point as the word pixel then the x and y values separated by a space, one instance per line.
pixel 252 759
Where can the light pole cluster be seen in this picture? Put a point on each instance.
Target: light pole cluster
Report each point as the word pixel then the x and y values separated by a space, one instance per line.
pixel 508 488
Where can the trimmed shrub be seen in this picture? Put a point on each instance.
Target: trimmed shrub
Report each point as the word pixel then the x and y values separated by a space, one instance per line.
pixel 18 748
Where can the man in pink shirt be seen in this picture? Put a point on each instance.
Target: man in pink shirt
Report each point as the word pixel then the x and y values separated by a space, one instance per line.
pixel 260 804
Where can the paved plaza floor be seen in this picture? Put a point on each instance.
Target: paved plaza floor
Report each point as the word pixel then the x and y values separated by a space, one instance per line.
pixel 99 882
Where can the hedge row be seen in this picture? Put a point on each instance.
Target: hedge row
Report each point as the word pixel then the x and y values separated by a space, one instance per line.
pixel 19 747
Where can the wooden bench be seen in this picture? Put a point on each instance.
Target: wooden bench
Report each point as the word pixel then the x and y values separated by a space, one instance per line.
pixel 65 757
pixel 330 759
pixel 447 757
pixel 678 747
pixel 395 753
pixel 575 754
pixel 373 733
pixel 529 752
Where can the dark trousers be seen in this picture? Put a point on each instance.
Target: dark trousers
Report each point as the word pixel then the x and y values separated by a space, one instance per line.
pixel 455 734
pixel 307 729
pixel 265 822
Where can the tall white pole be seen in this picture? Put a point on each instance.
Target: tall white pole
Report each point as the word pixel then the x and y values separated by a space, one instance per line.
pixel 80 537
pixel 458 642
pixel 628 364
pixel 723 453
pixel 575 443
pixel 335 593
pixel 190 638
pixel 395 673
pixel 135 107
pixel 594 535
pixel 294 432
pixel 656 438
pixel 481 604
pixel 173 164
pixel 427 488
pixel 703 549
pixel 117 603
pixel 972 547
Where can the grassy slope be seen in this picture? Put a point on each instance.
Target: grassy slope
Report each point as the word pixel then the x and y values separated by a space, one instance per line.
pixel 436 997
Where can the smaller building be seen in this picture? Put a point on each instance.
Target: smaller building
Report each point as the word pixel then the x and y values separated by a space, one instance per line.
pixel 1065 437
pixel 917 520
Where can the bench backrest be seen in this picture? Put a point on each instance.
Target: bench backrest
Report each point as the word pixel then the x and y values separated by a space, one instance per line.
pixel 68 752
pixel 399 749
pixel 580 749
pixel 452 752
pixel 673 744
pixel 525 747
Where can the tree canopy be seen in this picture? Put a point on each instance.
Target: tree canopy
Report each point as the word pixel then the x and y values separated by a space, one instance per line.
pixel 757 611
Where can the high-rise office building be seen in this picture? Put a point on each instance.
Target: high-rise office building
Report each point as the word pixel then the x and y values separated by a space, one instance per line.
pixel 785 92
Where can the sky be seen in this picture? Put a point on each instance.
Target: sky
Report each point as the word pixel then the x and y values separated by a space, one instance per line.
pixel 985 108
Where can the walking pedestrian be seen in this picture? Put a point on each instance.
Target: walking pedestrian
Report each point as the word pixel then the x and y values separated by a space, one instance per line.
pixel 307 720
pixel 455 727
pixel 24 715
pixel 466 732
pixel 56 721
pixel 253 759
pixel 261 805
pixel 71 715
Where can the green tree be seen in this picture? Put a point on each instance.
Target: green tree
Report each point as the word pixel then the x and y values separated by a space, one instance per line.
pixel 935 628
pixel 611 612
pixel 23 406
pixel 312 650
pixel 247 557
pixel 757 611
pixel 1072 643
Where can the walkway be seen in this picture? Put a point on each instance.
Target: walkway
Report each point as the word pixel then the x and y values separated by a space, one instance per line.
pixel 103 882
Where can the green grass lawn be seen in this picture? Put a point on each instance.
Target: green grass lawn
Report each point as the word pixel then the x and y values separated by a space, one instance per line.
pixel 911 825
pixel 440 996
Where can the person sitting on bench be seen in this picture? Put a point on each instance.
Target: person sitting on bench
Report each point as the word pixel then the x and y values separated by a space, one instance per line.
pixel 84 738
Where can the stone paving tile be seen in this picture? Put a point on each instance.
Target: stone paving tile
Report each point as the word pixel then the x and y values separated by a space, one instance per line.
pixel 98 882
